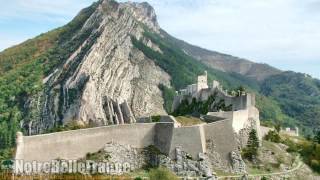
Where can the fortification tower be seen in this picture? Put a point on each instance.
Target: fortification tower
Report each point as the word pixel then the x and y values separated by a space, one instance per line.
pixel 202 82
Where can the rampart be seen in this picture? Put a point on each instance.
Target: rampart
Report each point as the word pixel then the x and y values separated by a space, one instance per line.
pixel 237 102
pixel 73 145
pixel 76 144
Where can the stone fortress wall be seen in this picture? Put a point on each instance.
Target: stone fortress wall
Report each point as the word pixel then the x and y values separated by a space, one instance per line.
pixel 73 145
pixel 76 144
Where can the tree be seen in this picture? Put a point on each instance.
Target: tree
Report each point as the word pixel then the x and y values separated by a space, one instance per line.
pixel 273 136
pixel 278 127
pixel 251 151
pixel 317 137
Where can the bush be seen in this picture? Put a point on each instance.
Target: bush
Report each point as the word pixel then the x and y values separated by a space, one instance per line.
pixel 155 119
pixel 273 136
pixel 162 174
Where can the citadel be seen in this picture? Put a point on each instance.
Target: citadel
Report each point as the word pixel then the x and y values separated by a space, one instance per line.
pixel 214 143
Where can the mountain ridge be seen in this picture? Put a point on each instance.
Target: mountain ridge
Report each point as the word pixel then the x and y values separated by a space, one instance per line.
pixel 225 62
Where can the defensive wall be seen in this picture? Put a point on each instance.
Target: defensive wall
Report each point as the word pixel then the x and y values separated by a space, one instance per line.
pixel 237 102
pixel 76 144
pixel 240 119
pixel 73 145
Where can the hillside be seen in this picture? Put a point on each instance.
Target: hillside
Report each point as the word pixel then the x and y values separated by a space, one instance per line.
pixel 298 96
pixel 115 55
pixel 226 63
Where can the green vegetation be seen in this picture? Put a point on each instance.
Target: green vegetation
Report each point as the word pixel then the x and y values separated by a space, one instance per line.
pixel 197 108
pixel 317 137
pixel 155 118
pixel 298 96
pixel 273 136
pixel 72 125
pixel 188 120
pixel 168 95
pixel 162 174
pixel 271 112
pixel 251 151
pixel 309 151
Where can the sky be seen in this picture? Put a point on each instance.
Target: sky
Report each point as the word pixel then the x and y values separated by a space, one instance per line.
pixel 282 33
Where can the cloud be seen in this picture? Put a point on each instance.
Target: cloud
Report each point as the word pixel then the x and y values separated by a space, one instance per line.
pixel 23 19
pixel 41 10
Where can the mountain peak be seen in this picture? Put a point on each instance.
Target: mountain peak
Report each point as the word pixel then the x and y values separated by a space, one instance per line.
pixel 145 13
pixel 142 12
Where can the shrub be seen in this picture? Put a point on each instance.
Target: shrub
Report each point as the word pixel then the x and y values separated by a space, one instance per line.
pixel 155 118
pixel 273 136
pixel 162 174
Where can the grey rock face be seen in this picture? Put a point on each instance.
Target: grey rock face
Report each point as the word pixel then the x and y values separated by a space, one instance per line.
pixel 107 80
pixel 184 166
pixel 215 159
pixel 238 165
pixel 122 154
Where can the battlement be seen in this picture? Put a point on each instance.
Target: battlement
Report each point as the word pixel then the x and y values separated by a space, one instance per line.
pixel 165 135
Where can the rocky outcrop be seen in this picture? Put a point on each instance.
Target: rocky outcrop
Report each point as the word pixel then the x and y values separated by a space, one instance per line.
pixel 183 165
pixel 238 165
pixel 106 80
pixel 121 154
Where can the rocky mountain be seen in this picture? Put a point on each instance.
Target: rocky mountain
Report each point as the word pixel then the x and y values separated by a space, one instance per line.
pixel 105 74
pixel 110 65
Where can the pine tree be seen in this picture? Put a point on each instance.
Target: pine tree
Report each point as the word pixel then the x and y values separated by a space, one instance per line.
pixel 251 151
pixel 317 137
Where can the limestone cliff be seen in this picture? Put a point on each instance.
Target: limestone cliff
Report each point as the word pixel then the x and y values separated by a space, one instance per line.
pixel 106 80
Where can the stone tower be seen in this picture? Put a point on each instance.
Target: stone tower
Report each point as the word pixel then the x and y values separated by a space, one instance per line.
pixel 202 82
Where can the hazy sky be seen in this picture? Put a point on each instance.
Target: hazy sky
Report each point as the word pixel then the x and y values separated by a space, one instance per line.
pixel 282 33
